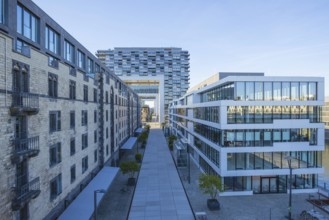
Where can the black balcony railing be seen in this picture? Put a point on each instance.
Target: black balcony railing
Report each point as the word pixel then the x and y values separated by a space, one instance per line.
pixel 25 102
pixel 25 192
pixel 27 147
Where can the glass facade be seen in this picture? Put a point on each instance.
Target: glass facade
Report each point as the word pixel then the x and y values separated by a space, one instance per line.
pixel 276 91
pixel 207 113
pixel 266 137
pixel 212 134
pixel 52 40
pixel 266 114
pixel 223 92
pixel 273 160
pixel 211 153
pixel 27 24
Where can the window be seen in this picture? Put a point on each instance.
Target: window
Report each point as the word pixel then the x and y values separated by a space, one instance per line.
pixel 90 65
pixel 68 51
pixel 55 154
pixel 81 60
pixel 84 117
pixel 2 11
pixel 56 186
pixel 95 156
pixel 73 176
pixel 72 146
pixel 72 89
pixel 52 85
pixel 72 119
pixel 95 136
pixel 107 150
pixel 52 40
pixel 95 116
pixel 85 93
pixel 84 164
pixel 84 141
pixel 54 121
pixel 107 132
pixel 23 48
pixel 107 97
pixel 27 24
pixel 52 62
pixel 95 95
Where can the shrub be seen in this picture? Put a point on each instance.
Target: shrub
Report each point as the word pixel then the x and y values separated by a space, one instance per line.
pixel 129 167
pixel 138 157
pixel 210 184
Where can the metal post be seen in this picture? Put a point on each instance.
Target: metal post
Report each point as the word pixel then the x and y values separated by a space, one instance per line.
pixel 95 204
pixel 189 163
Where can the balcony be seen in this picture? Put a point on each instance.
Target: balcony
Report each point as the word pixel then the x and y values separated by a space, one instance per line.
pixel 25 192
pixel 23 148
pixel 24 103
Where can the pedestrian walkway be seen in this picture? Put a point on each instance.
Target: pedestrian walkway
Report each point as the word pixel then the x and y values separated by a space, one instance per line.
pixel 159 192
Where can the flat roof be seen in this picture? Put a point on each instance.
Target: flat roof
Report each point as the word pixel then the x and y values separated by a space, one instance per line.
pixel 83 206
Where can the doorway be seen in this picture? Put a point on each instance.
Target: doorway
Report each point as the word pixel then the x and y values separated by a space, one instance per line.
pixel 269 184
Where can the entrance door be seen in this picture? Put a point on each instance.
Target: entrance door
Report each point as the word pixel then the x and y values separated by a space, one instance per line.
pixel 269 184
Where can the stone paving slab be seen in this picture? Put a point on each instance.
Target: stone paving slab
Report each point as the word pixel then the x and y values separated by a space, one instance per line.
pixel 159 192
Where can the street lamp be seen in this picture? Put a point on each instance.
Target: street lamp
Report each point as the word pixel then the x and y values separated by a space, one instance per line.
pixel 95 200
pixel 289 158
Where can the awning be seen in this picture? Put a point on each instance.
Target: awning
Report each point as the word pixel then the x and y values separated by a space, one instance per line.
pixel 83 206
pixel 129 144
pixel 139 130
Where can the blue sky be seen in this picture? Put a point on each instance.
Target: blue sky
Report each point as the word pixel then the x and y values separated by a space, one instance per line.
pixel 278 37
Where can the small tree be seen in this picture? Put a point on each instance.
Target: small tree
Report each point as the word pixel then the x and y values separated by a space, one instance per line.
pixel 210 184
pixel 138 157
pixel 130 168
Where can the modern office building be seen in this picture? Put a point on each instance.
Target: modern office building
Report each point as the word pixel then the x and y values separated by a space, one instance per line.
pixel 325 117
pixel 243 127
pixel 158 75
pixel 59 123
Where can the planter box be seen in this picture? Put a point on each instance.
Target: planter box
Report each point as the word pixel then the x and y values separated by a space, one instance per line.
pixel 213 204
pixel 131 181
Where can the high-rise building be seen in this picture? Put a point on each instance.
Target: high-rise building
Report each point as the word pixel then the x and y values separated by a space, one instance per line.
pixel 246 127
pixel 59 124
pixel 158 75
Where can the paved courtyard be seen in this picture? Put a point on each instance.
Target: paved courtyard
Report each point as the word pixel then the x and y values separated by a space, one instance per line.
pixel 265 206
pixel 159 192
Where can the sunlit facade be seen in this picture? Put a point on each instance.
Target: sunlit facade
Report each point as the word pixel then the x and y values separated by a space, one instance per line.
pixel 242 128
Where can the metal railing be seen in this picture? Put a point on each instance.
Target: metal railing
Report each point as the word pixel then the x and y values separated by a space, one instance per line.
pixel 25 100
pixel 26 145
pixel 26 191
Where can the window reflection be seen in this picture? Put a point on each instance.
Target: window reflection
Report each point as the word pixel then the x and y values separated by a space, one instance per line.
pixel 273 160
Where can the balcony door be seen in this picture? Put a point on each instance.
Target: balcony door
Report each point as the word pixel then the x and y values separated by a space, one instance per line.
pixel 269 184
pixel 21 127
pixel 21 78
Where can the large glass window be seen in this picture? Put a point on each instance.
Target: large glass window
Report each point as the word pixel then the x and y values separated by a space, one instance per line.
pixel 69 51
pixel 81 60
pixel 240 91
pixel 267 91
pixel 268 115
pixel 312 91
pixel 250 90
pixel 277 91
pixel 259 91
pixel 294 91
pixel 258 114
pixel 286 112
pixel 52 40
pixel 303 91
pixel 90 65
pixel 27 24
pixel 285 91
